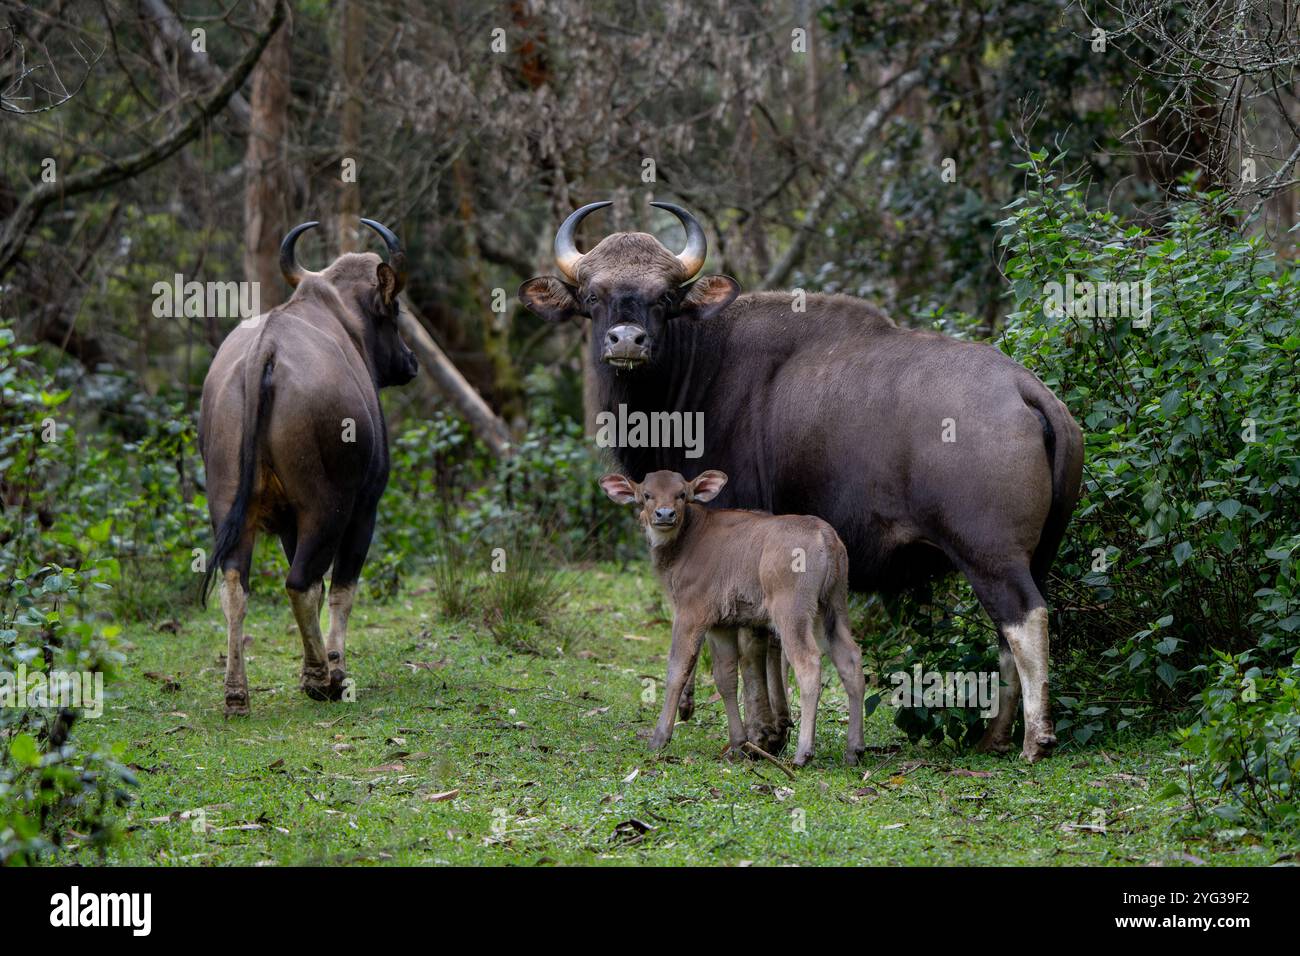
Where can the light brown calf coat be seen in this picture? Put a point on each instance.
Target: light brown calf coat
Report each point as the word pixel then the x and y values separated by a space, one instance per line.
pixel 726 570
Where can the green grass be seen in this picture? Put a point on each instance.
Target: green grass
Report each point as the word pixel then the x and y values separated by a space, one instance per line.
pixel 546 756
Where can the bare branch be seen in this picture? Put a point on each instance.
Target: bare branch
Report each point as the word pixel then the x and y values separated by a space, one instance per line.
pixel 29 209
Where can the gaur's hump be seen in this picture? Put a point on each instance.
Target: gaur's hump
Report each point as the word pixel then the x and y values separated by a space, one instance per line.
pixel 630 255
pixel 844 308
pixel 358 267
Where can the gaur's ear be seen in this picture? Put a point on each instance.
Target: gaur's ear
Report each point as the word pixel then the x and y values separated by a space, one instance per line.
pixel 387 280
pixel 708 296
pixel 548 297
pixel 621 490
pixel 707 485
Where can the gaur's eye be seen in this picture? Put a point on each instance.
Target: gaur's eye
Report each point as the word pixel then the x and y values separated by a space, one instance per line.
pixel 592 298
pixel 681 496
pixel 649 497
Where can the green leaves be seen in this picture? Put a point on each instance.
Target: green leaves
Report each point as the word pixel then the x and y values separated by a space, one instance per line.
pixel 1191 428
pixel 23 751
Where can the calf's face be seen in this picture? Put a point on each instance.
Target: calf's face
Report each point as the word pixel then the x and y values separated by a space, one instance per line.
pixel 661 499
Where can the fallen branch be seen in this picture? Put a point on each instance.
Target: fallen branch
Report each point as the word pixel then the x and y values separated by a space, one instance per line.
pixel 753 748
pixel 490 429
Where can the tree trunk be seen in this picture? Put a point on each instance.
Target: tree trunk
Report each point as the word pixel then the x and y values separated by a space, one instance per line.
pixel 266 181
pixel 495 326
pixel 349 68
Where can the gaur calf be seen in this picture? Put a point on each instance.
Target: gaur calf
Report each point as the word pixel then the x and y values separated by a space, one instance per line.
pixel 294 443
pixel 725 570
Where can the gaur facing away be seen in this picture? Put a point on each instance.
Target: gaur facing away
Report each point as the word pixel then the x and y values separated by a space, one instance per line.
pixel 294 443
pixel 726 570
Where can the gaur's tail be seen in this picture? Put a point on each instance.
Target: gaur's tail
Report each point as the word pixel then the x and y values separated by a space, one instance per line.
pixel 1063 441
pixel 257 385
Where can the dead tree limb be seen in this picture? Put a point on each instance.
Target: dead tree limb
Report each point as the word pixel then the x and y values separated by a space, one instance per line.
pixel 453 385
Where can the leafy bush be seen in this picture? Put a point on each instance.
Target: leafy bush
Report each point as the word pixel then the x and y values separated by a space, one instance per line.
pixel 1245 745
pixel 52 627
pixel 1181 543
pixel 524 596
pixel 449 498
pixel 454 580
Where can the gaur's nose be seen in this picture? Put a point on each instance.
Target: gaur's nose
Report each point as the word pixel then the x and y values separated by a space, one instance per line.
pixel 623 336
pixel 664 514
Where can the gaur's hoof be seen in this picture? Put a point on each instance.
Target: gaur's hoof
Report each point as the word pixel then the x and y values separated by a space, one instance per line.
pixel 1038 747
pixel 801 759
pixel 852 755
pixel 337 681
pixel 686 707
pixel 771 739
pixel 735 753
pixel 993 744
pixel 237 705
pixel 315 683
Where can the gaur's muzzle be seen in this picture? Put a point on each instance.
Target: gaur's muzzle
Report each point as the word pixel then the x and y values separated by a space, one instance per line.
pixel 626 346
pixel 410 367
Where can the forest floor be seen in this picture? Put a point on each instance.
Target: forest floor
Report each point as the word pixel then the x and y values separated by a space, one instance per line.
pixel 458 751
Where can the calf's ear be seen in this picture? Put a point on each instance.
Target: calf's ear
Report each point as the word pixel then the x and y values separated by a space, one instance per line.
pixel 708 296
pixel 707 485
pixel 621 490
pixel 548 297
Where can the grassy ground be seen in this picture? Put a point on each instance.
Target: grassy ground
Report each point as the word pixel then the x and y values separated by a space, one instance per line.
pixel 457 751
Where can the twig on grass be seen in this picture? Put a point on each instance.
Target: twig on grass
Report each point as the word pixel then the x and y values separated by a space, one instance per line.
pixel 753 748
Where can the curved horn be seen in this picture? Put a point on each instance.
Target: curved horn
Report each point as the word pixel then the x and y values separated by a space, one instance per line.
pixel 396 255
pixel 289 268
pixel 566 251
pixel 697 247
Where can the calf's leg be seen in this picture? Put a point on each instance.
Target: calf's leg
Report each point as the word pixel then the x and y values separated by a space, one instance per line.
pixel 777 670
pixel 726 654
pixel 800 643
pixel 686 706
pixel 687 637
